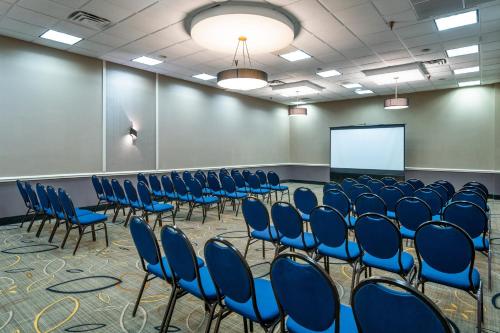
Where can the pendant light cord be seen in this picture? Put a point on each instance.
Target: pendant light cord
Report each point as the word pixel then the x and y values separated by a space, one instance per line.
pixel 244 48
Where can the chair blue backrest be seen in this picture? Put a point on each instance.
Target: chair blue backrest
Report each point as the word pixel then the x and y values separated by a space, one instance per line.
pixel 416 183
pixel 253 181
pixel 399 308
pixel 471 196
pixel 305 199
pixel 389 181
pixel 55 203
pixel 273 178
pixel 431 197
pixel 212 173
pixel 476 189
pixel 186 176
pixel 119 192
pixel 412 212
pixel 375 185
pixel 262 176
pixel 329 227
pixel 468 216
pixel 69 208
pixel 108 189
pixel 174 174
pixel 443 192
pixel 24 194
pixel 223 172
pixel 195 188
pixel 390 194
pixel 132 194
pixel 445 247
pixel 144 194
pixel 364 179
pixel 167 184
pixel 347 183
pixel 142 178
pixel 255 214
pixel 35 204
pixel 370 203
pixel 356 190
pixel 43 198
pixel 213 183
pixel 239 180
pixel 406 188
pixel 200 176
pixel 479 185
pixel 145 241
pixel 287 219
pixel 180 186
pixel 228 184
pixel 339 200
pixel 332 186
pixel 449 186
pixel 99 191
pixel 233 171
pixel 246 173
pixel 305 292
pixel 155 184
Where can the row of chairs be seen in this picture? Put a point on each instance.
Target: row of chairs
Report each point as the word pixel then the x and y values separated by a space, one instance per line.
pixel 47 204
pixel 299 297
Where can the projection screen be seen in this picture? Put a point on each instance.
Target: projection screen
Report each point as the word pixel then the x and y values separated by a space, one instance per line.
pixel 371 150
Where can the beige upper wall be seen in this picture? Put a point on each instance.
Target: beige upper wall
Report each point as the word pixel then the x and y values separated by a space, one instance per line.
pixel 451 129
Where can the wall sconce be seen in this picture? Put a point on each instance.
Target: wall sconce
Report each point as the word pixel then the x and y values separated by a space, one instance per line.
pixel 133 133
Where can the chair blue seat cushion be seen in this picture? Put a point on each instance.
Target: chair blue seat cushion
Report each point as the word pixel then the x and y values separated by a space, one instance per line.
pixel 185 197
pixel 390 214
pixel 206 199
pixel 112 198
pixel 340 251
pixel 264 234
pixel 206 282
pixel 236 195
pixel 407 233
pixel 266 303
pixel 242 189
pixel 156 269
pixel 269 187
pixel 123 201
pixel 481 243
pixel 159 193
pixel 92 218
pixel 279 187
pixel 305 217
pixel 158 207
pixel 260 190
pixel 389 264
pixel 206 190
pixel 456 280
pixel 48 211
pixel 347 323
pixel 436 217
pixel 171 195
pixel 218 193
pixel 297 242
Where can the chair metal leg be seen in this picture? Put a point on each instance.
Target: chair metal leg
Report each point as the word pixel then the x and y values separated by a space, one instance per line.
pixel 140 294
pixel 490 254
pixel 245 327
pixel 263 250
pixel 31 222
pixel 106 233
pixel 128 217
pixel 81 231
pixel 479 298
pixel 68 229
pixel 210 317
pixel 251 325
pixel 173 217
pixel 246 247
pixel 116 213
pixel 170 310
pixel 40 227
pixel 218 210
pixel 219 319
pixel 56 225
pixel 25 216
pixel 93 232
pixel 238 207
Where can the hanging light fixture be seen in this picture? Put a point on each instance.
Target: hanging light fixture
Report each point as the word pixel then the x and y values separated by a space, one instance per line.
pixel 296 110
pixel 246 78
pixel 396 103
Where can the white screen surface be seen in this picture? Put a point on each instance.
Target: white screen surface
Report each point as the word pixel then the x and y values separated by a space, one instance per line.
pixel 368 148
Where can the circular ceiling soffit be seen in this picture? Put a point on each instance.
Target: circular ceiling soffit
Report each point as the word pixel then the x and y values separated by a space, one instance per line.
pixel 219 28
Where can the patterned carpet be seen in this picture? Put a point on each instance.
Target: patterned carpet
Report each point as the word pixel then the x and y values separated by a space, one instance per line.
pixel 46 289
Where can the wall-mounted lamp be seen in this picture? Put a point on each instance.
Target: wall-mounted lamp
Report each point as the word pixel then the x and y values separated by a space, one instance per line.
pixel 133 133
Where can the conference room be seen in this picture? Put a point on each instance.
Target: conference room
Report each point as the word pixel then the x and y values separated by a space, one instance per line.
pixel 231 166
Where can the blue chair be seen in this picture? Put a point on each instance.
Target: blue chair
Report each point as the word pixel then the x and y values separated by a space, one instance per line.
pixel 305 200
pixel 121 198
pixel 375 185
pixel 133 199
pixel 332 186
pixel 443 192
pixel 187 176
pixel 411 213
pixel 205 201
pixel 111 199
pixel 35 205
pixel 449 186
pixel 256 189
pixel 26 200
pixel 416 183
pixel 338 199
pixel 202 178
pixel 347 184
pixel 168 188
pixel 237 290
pixel 389 181
pixel 258 225
pixel 212 173
pixel 331 234
pixel 231 194
pixel 399 308
pixel 149 206
pixel 478 185
pixel 477 190
pixel 471 196
pixel 246 173
pixel 80 222
pixel 357 190
pixel 156 189
pixel 370 203
pixel 183 195
pixel 214 186
pixel 48 212
pixel 233 171
pixel 263 179
pixel 307 297
pixel 406 188
pixel 241 184
pixel 390 194
pixel 142 178
pixel 99 191
pixel 274 181
pixel 445 254
pixel 290 228
pixel 433 199
pixel 382 246
pixel 174 174
pixel 473 219
pixel 189 277
pixel 223 172
pixel 364 179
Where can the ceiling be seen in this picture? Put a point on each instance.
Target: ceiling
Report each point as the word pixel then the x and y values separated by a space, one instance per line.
pixel 346 35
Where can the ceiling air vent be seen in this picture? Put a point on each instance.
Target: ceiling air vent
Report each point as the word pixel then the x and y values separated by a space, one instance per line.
pixel 434 8
pixel 89 20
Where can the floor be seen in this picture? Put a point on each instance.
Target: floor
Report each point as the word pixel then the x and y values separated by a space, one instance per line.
pixel 47 289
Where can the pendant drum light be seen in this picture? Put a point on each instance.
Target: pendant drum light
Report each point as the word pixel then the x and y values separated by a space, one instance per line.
pixel 396 103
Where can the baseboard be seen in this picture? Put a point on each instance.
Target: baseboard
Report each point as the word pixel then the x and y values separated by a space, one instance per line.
pixel 315 182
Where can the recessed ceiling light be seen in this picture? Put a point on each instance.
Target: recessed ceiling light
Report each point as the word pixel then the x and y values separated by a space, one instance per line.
pixel 204 77
pixel 147 61
pixel 295 55
pixel 329 73
pixel 469 83
pixel 60 37
pixel 363 91
pixel 299 88
pixel 351 85
pixel 455 21
pixel 397 74
pixel 466 70
pixel 462 51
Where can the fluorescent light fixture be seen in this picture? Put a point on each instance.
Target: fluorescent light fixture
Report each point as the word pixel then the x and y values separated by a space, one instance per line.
pixel 363 91
pixel 60 37
pixel 352 85
pixel 295 55
pixel 466 70
pixel 455 21
pixel 147 61
pixel 469 83
pixel 299 88
pixel 462 51
pixel 204 77
pixel 397 74
pixel 329 73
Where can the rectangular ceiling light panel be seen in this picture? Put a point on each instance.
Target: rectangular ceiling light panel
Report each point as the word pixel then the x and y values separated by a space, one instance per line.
pixel 471 49
pixel 61 37
pixel 299 88
pixel 455 21
pixel 401 73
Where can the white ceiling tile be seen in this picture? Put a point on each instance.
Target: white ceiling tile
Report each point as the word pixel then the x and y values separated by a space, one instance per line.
pixel 31 17
pixel 155 17
pixel 47 7
pixel 74 29
pixel 108 39
pixel 107 10
pixel 96 48
pixel 371 22
pixel 378 37
pixel 393 55
pixel 415 30
pixel 336 5
pixel 17 35
pixel 72 3
pixel 4 7
pixel 422 40
pixel 21 27
pixel 391 7
pixel 125 31
pixel 490 13
pixel 132 5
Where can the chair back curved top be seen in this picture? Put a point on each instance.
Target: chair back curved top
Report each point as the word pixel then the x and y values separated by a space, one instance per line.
pixel 142 178
pixel 449 186
pixel 305 199
pixel 389 181
pixel 406 188
pixel 431 197
pixel 144 194
pixel 69 208
pixel 246 173
pixel 480 185
pixel 262 177
pixel 416 183
pixel 412 212
pixel 186 176
pixel 132 194
pixel 287 219
pixel 195 188
pixel 470 196
pixel 375 185
pixel 390 194
pixel 99 191
pixel 329 227
pixel 339 200
pixel 228 184
pixel 253 181
pixel 108 189
pixel 167 184
pixel 273 178
pixel 332 186
pixel 347 183
pixel 476 189
pixel 145 242
pixel 370 203
pixel 200 176
pixel 119 192
pixel 233 171
pixel 400 308
pixel 443 192
pixel 223 171
pixel 174 174
pixel 239 180
pixel 180 186
pixel 35 204
pixel 364 179
pixel 213 183
pixel 468 216
pixel 24 194
pixel 255 214
pixel 445 247
pixel 43 198
pixel 155 184
pixel 315 307
pixel 55 202
pixel 378 236
pixel 357 190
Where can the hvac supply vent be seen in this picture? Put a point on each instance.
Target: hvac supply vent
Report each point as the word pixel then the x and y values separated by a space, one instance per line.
pixel 89 20
pixel 434 8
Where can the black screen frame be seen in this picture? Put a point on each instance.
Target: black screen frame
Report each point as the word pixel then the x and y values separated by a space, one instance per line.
pixel 336 173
